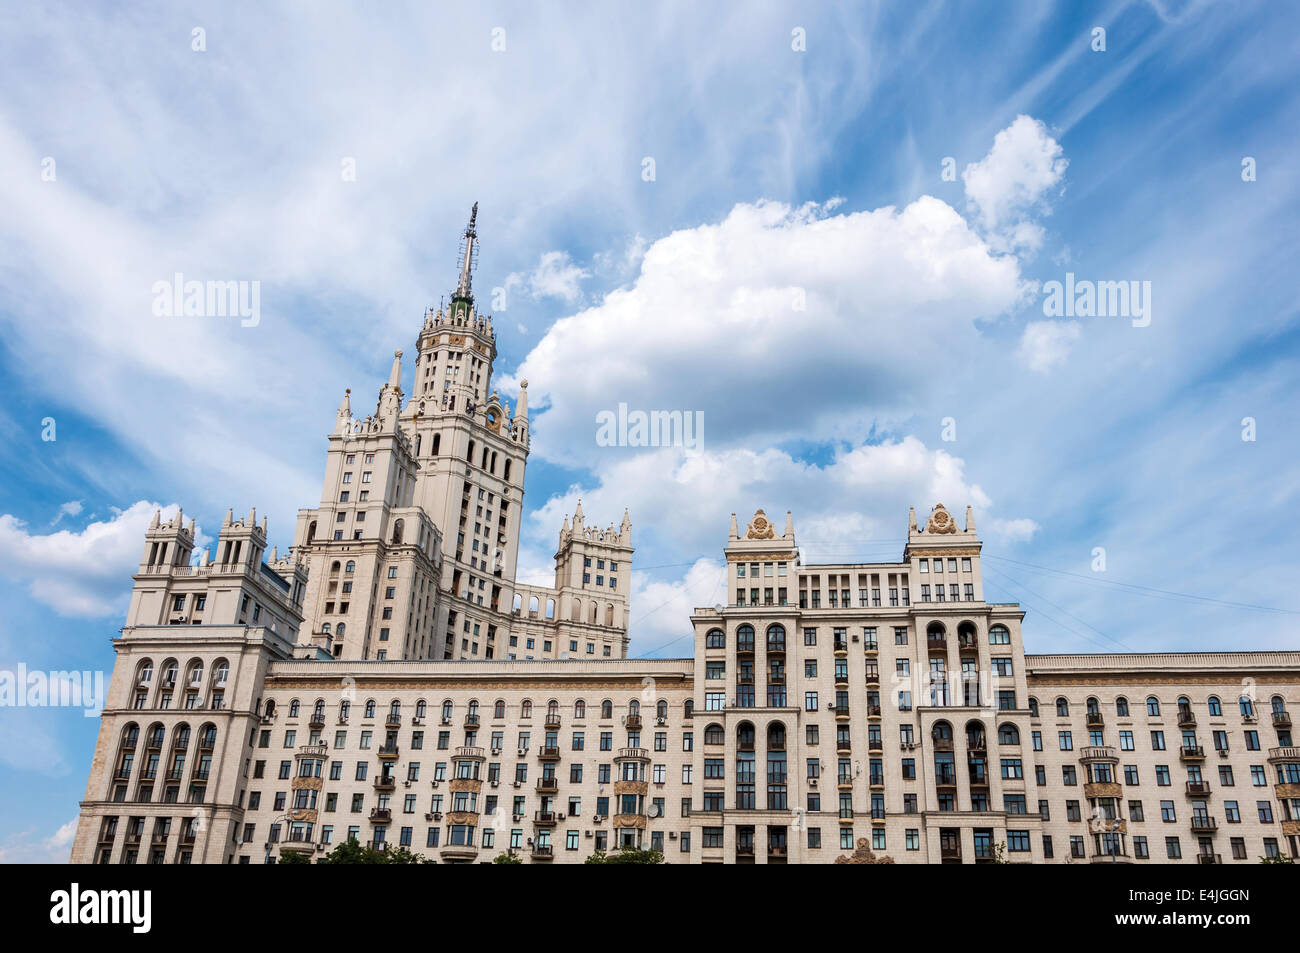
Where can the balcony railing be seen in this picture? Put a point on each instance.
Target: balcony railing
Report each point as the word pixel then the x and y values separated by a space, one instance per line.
pixel 1198 788
pixel 1191 753
pixel 1203 823
pixel 1281 719
pixel 632 722
pixel 1206 858
pixel 381 815
pixel 548 753
pixel 388 751
pixel 1095 719
pixel 548 785
pixel 942 744
pixel 1186 719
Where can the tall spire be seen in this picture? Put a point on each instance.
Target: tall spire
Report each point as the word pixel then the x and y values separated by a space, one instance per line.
pixel 471 236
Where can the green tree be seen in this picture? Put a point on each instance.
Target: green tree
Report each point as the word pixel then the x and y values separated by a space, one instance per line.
pixel 1279 859
pixel 504 858
pixel 627 855
pixel 293 857
pixel 352 851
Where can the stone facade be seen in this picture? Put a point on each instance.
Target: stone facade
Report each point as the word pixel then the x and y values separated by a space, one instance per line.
pixel 824 706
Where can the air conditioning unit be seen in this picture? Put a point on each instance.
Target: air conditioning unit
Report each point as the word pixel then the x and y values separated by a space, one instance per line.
pixel 434 784
pixel 598 819
pixel 661 721
pixel 909 745
pixel 417 720
pixel 496 751
pixel 812 782
pixel 428 817
pixel 830 707
pixel 1223 752
pixel 517 817
pixel 672 835
pixel 523 751
pixel 519 784
pixel 406 783
pixel 496 784
pixel 855 638
pixel 322 846
pixel 590 834
pixel 446 721
pixel 437 815
pixel 559 817
pixel 180 618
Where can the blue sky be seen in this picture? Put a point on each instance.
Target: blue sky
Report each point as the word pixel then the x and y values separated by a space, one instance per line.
pixel 779 173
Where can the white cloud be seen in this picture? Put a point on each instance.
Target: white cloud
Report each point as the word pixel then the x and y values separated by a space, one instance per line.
pixel 1045 344
pixel 70 508
pixel 1014 181
pixel 776 322
pixel 556 276
pixel 26 847
pixel 78 573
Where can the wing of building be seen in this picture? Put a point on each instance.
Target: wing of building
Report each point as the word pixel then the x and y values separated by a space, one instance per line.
pixel 389 682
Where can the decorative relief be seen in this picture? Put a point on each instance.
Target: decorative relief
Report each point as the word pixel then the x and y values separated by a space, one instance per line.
pixel 462 817
pixel 940 521
pixel 309 784
pixel 462 785
pixel 760 527
pixel 630 820
pixel 631 787
pixel 1102 789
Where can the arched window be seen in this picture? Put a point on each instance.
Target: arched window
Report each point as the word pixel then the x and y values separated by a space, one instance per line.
pixel 325 628
pixel 421 708
pixel 1121 706
pixel 334 567
pixel 689 708
pixel 345 709
pixel 1278 705
pixel 398 526
pixel 745 638
pixel 270 708
pixel 318 710
pixel 370 708
pixel 499 710
pixel 1153 707
pixel 1216 707
pixel 715 639
pixel 469 454
pixel 999 635
pixel 1247 707
pixel 311 532
pixel 579 710
pixel 505 474
pixel 144 673
pixel 437 441
pixel 526 709
pixel 1033 707
pixel 1062 708
pixel 661 712
pixel 942 732
pixel 634 707
pixel 1093 706
pixel 714 734
pixel 343 628
pixel 1008 734
pixel 776 637
pixel 293 708
pixel 446 710
pixel 606 710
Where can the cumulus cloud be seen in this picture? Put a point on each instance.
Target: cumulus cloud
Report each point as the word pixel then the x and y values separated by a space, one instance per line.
pixel 1045 344
pixel 556 276
pixel 1015 181
pixel 27 847
pixel 70 508
pixel 78 573
pixel 778 321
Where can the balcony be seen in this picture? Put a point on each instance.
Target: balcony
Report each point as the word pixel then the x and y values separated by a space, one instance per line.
pixel 841 679
pixel 388 753
pixel 950 854
pixel 548 785
pixel 1098 753
pixel 842 713
pixel 1191 753
pixel 317 720
pixel 1208 858
pixel 633 754
pixel 873 676
pixel 542 853
pixel 380 815
pixel 942 744
pixel 1281 719
pixel 1198 789
pixel 977 743
pixel 548 753
pixel 776 648
pixel 471 720
pixel 1095 719
pixel 464 753
pixel 1185 718
pixel 937 644
pixel 843 746
pixel 553 722
pixel 1204 824
pixel 393 720
pixel 979 780
pixel 845 782
pixel 945 780
pixel 632 722
pixel 841 648
pixel 545 818
pixel 745 648
pixel 385 783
